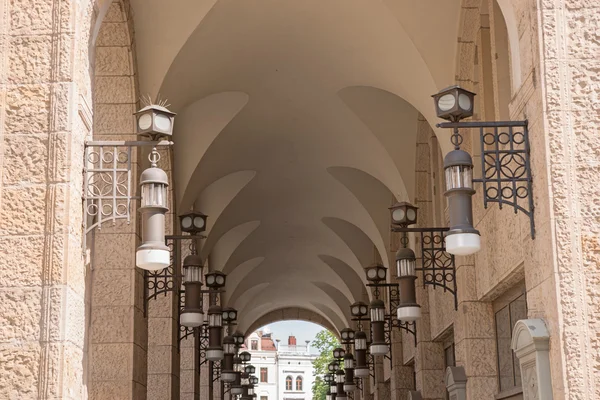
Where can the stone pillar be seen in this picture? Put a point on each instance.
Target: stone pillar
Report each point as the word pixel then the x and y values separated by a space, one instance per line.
pixel 531 343
pixel 456 383
pixel 382 390
pixel 189 378
pixel 428 355
pixel 42 295
pixel 402 377
pixel 118 327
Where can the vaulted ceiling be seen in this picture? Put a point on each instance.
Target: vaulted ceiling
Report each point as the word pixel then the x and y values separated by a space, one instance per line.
pixel 296 129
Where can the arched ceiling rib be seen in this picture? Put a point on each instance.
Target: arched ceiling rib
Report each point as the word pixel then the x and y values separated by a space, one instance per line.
pixel 296 129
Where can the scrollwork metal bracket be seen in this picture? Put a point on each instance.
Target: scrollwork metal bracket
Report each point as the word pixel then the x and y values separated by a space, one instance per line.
pixel 437 265
pixel 505 164
pixel 108 192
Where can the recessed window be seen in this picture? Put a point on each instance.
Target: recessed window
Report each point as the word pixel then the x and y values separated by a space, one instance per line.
pixel 264 374
pixel 508 310
pixel 299 383
pixel 288 383
pixel 254 345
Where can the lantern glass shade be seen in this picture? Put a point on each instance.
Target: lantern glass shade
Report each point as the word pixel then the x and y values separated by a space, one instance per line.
pixel 358 309
pixel 250 390
pixel 328 396
pixel 377 311
pixel 454 103
pixel 459 177
pixel 379 349
pixel 215 319
pixel 250 369
pixel 330 367
pixel 245 356
pixel 154 194
pixel 361 372
pixel 349 362
pixel 409 313
pixel 333 389
pixel 191 319
pixel 192 222
pixel 228 376
pixel 192 273
pixel 339 377
pixel 403 213
pixel 463 244
pixel 360 343
pixel 228 345
pixel 239 338
pixel 215 279
pixel 349 387
pixel 406 262
pixel 253 380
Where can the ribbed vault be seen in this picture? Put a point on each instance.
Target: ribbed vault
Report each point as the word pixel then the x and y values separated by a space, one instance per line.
pixel 296 129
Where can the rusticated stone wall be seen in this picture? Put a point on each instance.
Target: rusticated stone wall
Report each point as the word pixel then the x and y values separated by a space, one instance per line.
pixel 44 77
pixel 570 80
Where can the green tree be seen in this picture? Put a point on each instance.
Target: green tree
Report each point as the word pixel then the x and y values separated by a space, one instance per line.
pixel 325 342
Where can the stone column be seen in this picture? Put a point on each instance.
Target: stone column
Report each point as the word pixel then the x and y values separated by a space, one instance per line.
pixel 381 389
pixel 42 284
pixel 456 383
pixel 428 355
pixel 189 378
pixel 531 343
pixel 402 377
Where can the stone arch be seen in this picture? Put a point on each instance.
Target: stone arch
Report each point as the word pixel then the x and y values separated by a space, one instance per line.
pixel 290 314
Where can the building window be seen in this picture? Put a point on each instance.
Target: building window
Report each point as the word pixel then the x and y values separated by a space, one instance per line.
pixel 288 383
pixel 264 375
pixel 264 397
pixel 508 310
pixel 299 383
pixel 254 345
pixel 449 360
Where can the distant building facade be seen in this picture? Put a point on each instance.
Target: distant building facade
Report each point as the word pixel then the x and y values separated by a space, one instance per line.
pixel 285 372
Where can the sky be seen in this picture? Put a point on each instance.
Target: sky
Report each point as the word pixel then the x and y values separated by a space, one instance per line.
pixel 301 329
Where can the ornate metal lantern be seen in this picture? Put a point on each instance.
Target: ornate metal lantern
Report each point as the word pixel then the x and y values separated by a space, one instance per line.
pixel 454 103
pixel 347 335
pixel 192 315
pixel 214 352
pixel 376 273
pixel 378 347
pixel 403 214
pixel 229 315
pixel 408 309
pixel 361 369
pixel 228 374
pixel 215 279
pixel 153 254
pixel 193 222
pixel 462 239
pixel 359 309
pixel 339 352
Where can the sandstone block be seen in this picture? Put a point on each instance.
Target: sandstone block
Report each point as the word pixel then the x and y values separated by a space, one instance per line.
pixel 112 362
pixel 20 313
pixel 29 59
pixel 112 34
pixel 18 270
pixel 20 371
pixel 27 109
pixel 114 89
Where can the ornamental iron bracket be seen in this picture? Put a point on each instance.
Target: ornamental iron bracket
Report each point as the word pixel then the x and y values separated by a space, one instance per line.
pixel 108 190
pixel 505 163
pixel 437 265
pixel 390 320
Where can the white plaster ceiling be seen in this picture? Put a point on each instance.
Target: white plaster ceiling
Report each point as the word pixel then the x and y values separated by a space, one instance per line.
pixel 296 129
